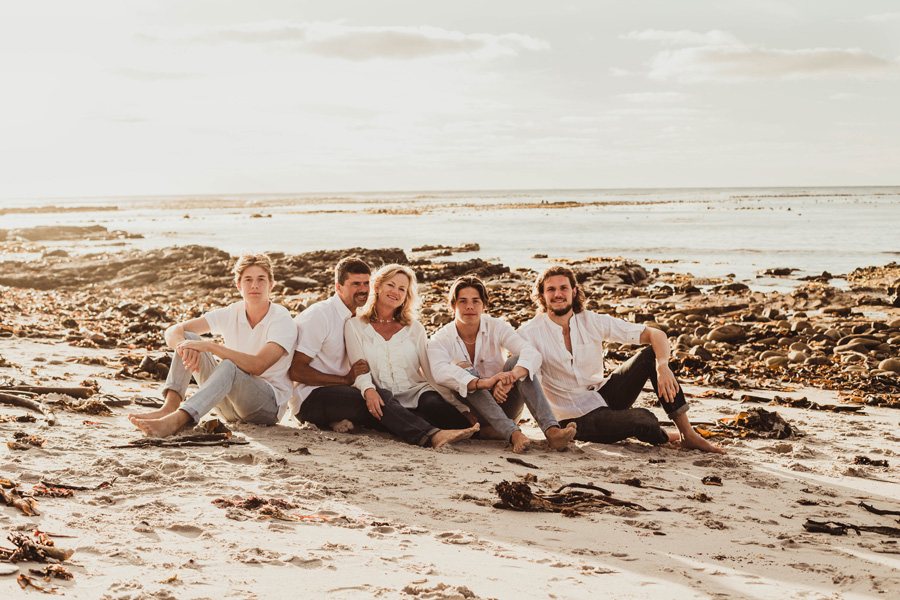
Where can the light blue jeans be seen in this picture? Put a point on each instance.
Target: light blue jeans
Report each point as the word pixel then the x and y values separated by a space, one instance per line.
pixel 235 394
pixel 503 417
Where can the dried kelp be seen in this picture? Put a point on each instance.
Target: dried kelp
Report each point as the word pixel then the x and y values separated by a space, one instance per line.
pixel 838 528
pixel 755 422
pixel 211 439
pixel 42 549
pixel 23 402
pixel 13 498
pixel 518 496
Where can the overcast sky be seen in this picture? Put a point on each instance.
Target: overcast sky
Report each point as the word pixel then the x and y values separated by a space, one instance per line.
pixel 208 96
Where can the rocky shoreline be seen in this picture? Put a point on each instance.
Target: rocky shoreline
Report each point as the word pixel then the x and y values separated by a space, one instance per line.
pixel 723 333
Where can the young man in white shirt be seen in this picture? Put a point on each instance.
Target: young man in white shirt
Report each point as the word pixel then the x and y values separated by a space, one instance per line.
pixel 323 395
pixel 570 340
pixel 250 383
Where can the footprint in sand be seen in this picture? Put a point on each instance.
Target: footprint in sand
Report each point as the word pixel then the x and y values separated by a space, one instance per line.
pixel 190 531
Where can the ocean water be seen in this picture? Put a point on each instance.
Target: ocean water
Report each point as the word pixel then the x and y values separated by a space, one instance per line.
pixel 705 232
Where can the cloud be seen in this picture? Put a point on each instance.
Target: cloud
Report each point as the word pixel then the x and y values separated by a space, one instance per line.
pixel 337 40
pixel 683 37
pixel 694 65
pixel 883 17
pixel 844 96
pixel 654 97
pixel 720 56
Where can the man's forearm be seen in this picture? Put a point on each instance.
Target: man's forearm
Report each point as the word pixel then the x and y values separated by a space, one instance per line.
pixel 308 375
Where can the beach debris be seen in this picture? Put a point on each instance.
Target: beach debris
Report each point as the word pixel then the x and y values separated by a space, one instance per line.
pixel 517 495
pixel 701 497
pixel 14 499
pixel 805 403
pixel 53 572
pixel 213 426
pixel 865 460
pixel 879 511
pixel 78 488
pixel 93 406
pixel 23 441
pixel 755 422
pixel 40 549
pixel 210 439
pixel 264 507
pixel 147 401
pixel 303 451
pixel 29 418
pixel 838 528
pixel 635 482
pixel 75 392
pixel 519 461
pixel 711 480
pixel 23 402
pixel 584 486
pixel 25 581
pixel 52 492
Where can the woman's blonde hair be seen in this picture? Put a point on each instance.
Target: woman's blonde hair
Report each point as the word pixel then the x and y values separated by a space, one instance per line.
pixel 407 312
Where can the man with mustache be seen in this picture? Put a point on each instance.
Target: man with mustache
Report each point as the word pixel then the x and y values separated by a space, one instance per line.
pixel 570 340
pixel 323 395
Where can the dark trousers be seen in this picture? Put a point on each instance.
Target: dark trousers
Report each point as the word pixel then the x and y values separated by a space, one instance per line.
pixel 328 404
pixel 618 420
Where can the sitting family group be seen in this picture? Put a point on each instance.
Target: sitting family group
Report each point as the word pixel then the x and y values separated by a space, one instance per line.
pixel 362 359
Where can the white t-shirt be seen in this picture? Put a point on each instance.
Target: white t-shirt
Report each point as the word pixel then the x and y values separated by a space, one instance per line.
pixel 570 380
pixel 321 337
pixel 277 326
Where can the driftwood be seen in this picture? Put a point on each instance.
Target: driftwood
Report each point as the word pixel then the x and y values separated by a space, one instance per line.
pixel 78 488
pixel 77 392
pixel 584 486
pixel 838 528
pixel 14 400
pixel 210 439
pixel 519 461
pixel 879 511
pixel 518 496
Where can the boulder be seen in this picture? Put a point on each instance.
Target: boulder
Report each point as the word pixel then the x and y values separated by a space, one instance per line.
pixel 728 333
pixel 890 364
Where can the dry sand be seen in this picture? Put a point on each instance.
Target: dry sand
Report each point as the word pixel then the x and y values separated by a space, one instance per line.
pixel 378 518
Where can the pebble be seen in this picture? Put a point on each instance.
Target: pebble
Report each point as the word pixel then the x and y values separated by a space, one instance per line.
pixel 797 356
pixel 799 346
pixel 770 353
pixel 890 364
pixel 818 360
pixel 727 333
pixel 777 361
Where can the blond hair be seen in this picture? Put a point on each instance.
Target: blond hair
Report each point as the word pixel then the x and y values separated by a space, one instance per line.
pixel 407 312
pixel 247 260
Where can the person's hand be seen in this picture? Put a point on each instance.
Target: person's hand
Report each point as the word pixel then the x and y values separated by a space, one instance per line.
pixel 666 383
pixel 190 351
pixel 360 367
pixel 374 403
pixel 500 392
pixel 506 377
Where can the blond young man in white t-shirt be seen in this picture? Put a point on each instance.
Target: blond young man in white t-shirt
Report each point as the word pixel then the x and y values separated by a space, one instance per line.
pixel 570 340
pixel 250 382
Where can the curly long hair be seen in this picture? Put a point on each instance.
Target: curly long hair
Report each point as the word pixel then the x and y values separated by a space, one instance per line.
pixel 407 312
pixel 537 292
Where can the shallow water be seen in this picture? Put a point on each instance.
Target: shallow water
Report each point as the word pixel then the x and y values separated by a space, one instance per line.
pixel 707 232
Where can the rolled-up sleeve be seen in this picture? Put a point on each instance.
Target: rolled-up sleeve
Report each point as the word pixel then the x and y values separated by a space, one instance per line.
pixel 354 353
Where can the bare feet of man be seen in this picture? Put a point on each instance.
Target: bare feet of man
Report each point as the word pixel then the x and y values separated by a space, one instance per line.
pixel 172 402
pixel 342 426
pixel 558 438
pixel 448 436
pixel 164 427
pixel 698 442
pixel 519 441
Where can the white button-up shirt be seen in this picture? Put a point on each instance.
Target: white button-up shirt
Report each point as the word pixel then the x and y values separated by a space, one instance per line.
pixel 494 342
pixel 321 337
pixel 570 379
pixel 399 364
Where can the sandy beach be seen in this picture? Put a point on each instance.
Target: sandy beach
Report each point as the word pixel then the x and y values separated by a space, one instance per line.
pixel 363 515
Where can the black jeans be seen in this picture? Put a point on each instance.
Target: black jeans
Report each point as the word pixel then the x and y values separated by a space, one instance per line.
pixel 328 404
pixel 618 420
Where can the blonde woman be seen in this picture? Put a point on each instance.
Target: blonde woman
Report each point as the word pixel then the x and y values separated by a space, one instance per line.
pixel 398 390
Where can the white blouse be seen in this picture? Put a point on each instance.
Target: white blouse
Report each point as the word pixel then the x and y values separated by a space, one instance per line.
pixel 399 364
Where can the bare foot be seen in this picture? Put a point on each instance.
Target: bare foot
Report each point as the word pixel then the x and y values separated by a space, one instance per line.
pixel 674 438
pixel 489 432
pixel 173 401
pixel 342 426
pixel 558 438
pixel 163 427
pixel 698 442
pixel 519 441
pixel 448 436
